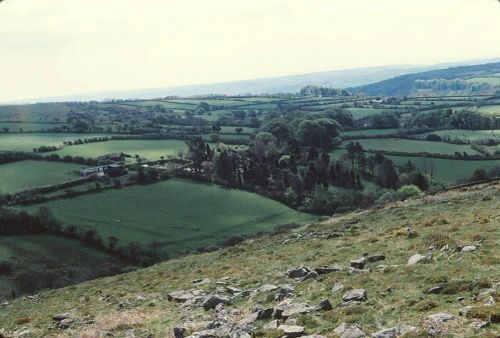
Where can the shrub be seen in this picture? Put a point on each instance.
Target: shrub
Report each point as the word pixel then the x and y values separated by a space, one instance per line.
pixel 5 267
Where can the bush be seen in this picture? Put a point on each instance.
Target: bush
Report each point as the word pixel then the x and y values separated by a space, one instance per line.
pixel 5 267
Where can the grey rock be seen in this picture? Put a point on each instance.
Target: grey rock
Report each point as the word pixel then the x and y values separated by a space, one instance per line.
pixel 357 295
pixel 273 325
pixel 62 316
pixel 468 248
pixel 337 287
pixel 435 289
pixel 258 315
pixel 440 318
pixel 212 300
pixel 463 311
pixel 179 332
pixel 354 271
pixel 323 270
pixel 354 331
pixel 291 331
pixel 183 296
pixel 480 324
pixel 358 263
pixel 66 323
pixel 310 275
pixel 267 288
pixel 324 305
pixel 297 272
pixel 232 290
pixel 284 291
pixel 418 259
pixel 376 258
pixel 286 309
pixel 340 329
pixel 394 332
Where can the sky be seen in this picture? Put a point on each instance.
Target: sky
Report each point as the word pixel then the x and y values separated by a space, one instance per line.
pixel 61 47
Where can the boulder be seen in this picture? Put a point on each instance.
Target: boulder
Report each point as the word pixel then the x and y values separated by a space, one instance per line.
pixel 358 263
pixel 183 296
pixel 297 272
pixel 212 300
pixel 267 288
pixel 354 271
pixel 354 331
pixel 376 258
pixel 66 323
pixel 179 332
pixel 273 325
pixel 468 248
pixel 418 259
pixel 286 309
pixel 394 332
pixel 291 331
pixel 257 315
pixel 466 309
pixel 435 289
pixel 62 316
pixel 324 305
pixel 284 291
pixel 323 270
pixel 337 287
pixel 440 318
pixel 357 295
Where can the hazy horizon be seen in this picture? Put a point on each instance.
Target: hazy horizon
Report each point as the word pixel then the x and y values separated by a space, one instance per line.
pixel 89 46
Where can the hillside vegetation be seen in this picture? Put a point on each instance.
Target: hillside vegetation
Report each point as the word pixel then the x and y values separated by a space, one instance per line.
pixel 347 276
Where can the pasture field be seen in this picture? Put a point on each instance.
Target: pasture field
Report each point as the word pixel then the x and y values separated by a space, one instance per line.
pixel 493 80
pixel 449 171
pixel 17 176
pixel 38 112
pixel 491 110
pixel 32 256
pixel 358 113
pixel 369 132
pixel 471 135
pixel 413 146
pixel 15 127
pixel 28 141
pixel 149 149
pixel 180 214
pixel 444 170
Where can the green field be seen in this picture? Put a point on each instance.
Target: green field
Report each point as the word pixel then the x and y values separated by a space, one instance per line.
pixel 413 146
pixel 21 175
pixel 493 80
pixel 449 171
pixel 149 149
pixel 369 132
pixel 50 261
pixel 26 142
pixel 358 113
pixel 491 110
pixel 29 126
pixel 471 135
pixel 180 214
pixel 38 112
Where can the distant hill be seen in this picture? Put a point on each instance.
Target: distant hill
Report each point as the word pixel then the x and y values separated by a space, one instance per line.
pixel 462 80
pixel 284 84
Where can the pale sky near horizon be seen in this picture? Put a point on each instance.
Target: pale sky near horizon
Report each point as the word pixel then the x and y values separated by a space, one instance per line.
pixel 60 47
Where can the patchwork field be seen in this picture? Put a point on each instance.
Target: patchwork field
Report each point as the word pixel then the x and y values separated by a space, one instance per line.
pixel 149 149
pixel 491 110
pixel 18 176
pixel 449 171
pixel 180 214
pixel 413 146
pixel 369 132
pixel 471 135
pixel 31 257
pixel 26 142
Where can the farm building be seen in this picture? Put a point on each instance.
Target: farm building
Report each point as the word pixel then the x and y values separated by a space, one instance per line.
pixel 108 169
pixel 112 157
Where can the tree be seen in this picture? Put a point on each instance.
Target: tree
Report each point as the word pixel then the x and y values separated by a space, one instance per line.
pixel 387 177
pixel 278 128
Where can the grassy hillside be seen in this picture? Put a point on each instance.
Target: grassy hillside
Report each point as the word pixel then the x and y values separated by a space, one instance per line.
pixel 26 142
pixel 396 293
pixel 180 214
pixel 46 261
